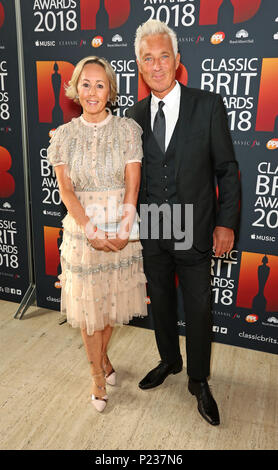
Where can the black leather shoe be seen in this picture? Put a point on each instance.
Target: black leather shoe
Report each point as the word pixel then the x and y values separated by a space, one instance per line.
pixel 157 375
pixel 206 404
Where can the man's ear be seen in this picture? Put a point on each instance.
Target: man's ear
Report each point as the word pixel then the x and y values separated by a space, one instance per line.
pixel 138 65
pixel 178 59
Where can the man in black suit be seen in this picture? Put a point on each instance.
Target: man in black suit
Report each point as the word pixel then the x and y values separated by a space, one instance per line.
pixel 187 148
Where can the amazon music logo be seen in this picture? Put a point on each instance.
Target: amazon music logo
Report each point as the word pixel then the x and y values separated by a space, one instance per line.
pixel 238 11
pixel 2 15
pixel 53 237
pixel 257 287
pixel 7 182
pixel 103 14
pixel 54 106
pixel 267 111
pixel 144 90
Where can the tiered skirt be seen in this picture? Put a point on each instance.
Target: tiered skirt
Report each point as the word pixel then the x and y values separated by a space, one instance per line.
pixel 100 288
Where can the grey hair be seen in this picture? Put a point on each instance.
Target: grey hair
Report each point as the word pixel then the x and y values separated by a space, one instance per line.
pixel 150 28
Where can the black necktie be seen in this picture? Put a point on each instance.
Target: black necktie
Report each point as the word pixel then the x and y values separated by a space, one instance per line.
pixel 159 126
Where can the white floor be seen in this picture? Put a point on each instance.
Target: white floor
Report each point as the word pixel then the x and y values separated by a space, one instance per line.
pixel 45 393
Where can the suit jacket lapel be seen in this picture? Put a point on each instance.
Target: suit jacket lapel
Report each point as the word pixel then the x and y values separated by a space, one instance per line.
pixel 183 124
pixel 144 120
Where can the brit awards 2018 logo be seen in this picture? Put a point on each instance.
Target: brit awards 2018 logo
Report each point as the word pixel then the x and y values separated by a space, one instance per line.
pixel 54 106
pixel 257 287
pixel 7 182
pixel 52 241
pixel 2 15
pixel 212 11
pixel 267 113
pixel 103 14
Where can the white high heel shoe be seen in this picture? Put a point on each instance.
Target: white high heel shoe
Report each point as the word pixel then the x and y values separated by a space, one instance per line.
pixel 111 376
pixel 99 402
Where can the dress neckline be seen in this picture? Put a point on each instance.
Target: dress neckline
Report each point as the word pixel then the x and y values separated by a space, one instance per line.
pixel 98 124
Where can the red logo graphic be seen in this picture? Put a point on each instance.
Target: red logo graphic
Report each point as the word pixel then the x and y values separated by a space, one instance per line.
pixel 97 41
pixel 241 10
pixel 252 318
pixel 95 13
pixel 268 96
pixel 217 38
pixel 272 144
pixel 52 241
pixel 54 106
pixel 144 90
pixel 7 183
pixel 2 15
pixel 257 288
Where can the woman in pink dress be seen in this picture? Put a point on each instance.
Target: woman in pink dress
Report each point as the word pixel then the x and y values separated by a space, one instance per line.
pixel 97 159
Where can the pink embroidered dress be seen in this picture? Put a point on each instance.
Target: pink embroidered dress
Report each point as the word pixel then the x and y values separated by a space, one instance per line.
pixel 99 288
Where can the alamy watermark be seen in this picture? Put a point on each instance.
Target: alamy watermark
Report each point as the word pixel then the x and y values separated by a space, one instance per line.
pixel 156 222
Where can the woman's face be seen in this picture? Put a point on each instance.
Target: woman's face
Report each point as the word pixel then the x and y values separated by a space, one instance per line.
pixel 93 90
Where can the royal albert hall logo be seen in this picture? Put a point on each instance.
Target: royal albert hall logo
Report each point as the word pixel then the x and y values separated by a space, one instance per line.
pixel 242 10
pixel 115 11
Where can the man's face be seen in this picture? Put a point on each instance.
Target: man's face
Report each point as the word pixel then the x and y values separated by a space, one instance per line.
pixel 158 63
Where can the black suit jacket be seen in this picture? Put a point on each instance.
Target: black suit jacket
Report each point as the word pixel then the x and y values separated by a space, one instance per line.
pixel 204 156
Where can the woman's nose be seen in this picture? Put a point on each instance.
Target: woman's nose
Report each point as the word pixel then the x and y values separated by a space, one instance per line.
pixel 92 90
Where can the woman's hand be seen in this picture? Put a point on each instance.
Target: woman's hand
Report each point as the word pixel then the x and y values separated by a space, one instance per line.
pixel 101 242
pixel 118 242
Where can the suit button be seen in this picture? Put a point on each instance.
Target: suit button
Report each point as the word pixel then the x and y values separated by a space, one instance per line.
pixel 165 165
pixel 165 189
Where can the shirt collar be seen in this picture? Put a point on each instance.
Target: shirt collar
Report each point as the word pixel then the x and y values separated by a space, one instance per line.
pixel 171 99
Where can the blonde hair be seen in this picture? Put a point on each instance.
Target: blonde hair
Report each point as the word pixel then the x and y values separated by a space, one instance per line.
pixel 71 88
pixel 150 28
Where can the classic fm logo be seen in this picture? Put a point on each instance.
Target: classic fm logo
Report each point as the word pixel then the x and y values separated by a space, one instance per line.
pixel 241 10
pixel 53 106
pixel 115 13
pixel 7 182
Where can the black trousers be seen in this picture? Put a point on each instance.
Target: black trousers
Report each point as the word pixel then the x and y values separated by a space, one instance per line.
pixel 161 262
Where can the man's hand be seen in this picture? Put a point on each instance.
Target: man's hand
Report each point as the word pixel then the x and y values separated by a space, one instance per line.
pixel 223 240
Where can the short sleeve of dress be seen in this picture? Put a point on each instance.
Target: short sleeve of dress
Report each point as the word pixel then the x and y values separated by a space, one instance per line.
pixel 134 150
pixel 57 150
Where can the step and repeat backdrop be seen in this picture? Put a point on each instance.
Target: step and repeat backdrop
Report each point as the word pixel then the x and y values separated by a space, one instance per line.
pixel 228 47
pixel 14 271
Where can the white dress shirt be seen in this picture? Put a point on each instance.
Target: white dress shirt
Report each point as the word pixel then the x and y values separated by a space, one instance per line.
pixel 171 111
